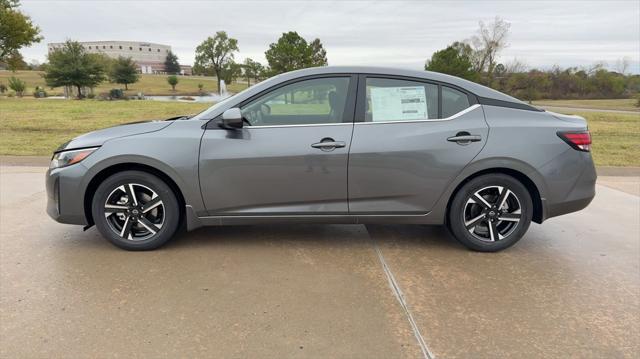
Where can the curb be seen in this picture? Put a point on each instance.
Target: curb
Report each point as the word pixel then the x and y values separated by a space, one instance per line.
pixel 36 161
pixel 618 171
pixel 42 161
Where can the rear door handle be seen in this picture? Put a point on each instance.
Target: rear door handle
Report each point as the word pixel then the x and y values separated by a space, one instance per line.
pixel 328 144
pixel 464 138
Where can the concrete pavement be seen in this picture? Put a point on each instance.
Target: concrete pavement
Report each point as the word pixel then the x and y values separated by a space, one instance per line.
pixel 570 288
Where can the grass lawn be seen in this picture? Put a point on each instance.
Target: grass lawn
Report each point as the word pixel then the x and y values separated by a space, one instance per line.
pixel 615 104
pixel 36 127
pixel 148 84
pixel 616 138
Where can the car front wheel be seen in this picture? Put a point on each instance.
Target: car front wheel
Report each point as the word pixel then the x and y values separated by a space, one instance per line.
pixel 490 213
pixel 135 210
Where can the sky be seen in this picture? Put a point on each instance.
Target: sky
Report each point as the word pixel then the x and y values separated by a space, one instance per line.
pixel 378 33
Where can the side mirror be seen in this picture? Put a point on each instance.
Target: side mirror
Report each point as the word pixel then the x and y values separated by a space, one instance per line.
pixel 232 118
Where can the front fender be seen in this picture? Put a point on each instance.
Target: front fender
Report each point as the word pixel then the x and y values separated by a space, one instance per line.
pixel 174 152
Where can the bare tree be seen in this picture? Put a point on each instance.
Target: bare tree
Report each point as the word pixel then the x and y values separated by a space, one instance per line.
pixel 595 67
pixel 487 44
pixel 516 66
pixel 622 65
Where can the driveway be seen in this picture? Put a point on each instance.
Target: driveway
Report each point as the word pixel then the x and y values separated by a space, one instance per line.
pixel 570 288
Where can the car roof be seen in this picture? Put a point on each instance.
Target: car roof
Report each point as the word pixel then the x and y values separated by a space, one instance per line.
pixel 474 88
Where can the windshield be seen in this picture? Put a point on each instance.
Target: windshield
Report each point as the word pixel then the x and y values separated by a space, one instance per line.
pixel 204 115
pixel 207 114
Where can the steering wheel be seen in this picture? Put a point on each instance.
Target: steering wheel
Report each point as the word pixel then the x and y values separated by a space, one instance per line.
pixel 265 109
pixel 254 116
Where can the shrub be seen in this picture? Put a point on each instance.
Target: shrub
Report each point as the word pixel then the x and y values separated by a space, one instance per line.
pixel 39 92
pixel 91 95
pixel 3 88
pixel 116 94
pixel 173 81
pixel 17 85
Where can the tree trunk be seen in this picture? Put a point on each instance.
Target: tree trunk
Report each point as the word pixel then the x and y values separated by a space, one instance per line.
pixel 218 79
pixel 125 86
pixel 79 91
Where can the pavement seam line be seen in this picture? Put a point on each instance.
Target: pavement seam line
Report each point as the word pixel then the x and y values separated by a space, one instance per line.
pixel 395 287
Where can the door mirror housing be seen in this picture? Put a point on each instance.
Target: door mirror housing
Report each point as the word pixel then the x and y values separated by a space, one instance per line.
pixel 232 118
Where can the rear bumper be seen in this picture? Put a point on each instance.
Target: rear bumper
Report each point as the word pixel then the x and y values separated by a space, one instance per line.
pixel 577 190
pixel 65 199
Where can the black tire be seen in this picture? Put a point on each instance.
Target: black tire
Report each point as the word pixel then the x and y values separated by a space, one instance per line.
pixel 144 230
pixel 481 225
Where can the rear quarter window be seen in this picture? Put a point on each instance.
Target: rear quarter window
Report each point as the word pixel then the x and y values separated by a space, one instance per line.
pixel 453 101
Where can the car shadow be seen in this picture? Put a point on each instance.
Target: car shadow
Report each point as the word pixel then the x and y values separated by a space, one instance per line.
pixel 317 235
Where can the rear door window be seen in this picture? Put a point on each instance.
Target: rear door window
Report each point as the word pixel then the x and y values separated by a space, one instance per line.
pixel 400 100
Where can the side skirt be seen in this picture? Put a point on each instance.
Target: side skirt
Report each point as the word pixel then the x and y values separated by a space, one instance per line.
pixel 193 221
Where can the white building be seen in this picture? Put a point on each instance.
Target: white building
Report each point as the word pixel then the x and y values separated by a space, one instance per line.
pixel 148 56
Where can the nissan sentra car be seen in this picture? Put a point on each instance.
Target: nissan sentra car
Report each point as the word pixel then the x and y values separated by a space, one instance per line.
pixel 351 145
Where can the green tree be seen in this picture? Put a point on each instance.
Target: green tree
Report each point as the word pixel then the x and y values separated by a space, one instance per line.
pixel 124 71
pixel 252 70
pixel 454 60
pixel 215 52
pixel 292 52
pixel 16 62
pixel 73 66
pixel 231 71
pixel 318 53
pixel 173 81
pixel 17 85
pixel 171 65
pixel 16 29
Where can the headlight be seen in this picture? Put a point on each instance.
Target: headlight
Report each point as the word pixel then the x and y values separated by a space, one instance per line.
pixel 67 158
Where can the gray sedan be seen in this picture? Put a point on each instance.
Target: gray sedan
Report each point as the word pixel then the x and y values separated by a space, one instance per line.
pixel 332 145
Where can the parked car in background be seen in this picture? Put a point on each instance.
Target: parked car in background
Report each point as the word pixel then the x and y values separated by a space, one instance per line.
pixel 332 145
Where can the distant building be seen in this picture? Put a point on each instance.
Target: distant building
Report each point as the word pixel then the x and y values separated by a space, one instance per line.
pixel 148 56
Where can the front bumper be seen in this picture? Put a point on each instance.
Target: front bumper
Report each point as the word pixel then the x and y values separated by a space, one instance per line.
pixel 65 194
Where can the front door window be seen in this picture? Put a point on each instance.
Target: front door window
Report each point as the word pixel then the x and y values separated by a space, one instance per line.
pixel 308 102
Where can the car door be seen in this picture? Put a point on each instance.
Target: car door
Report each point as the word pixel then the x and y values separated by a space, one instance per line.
pixel 410 139
pixel 290 157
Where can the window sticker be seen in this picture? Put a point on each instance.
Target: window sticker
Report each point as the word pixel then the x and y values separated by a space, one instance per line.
pixel 398 103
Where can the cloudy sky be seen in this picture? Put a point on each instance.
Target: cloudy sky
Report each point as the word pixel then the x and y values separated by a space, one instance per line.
pixel 384 33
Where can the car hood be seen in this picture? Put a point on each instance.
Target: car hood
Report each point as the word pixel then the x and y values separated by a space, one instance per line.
pixel 97 138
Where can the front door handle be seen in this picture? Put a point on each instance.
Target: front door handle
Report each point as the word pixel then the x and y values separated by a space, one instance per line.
pixel 464 138
pixel 328 144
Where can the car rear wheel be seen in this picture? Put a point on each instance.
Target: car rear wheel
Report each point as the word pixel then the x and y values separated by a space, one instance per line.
pixel 135 210
pixel 490 213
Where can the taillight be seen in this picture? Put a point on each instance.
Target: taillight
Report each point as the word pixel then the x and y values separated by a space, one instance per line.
pixel 580 141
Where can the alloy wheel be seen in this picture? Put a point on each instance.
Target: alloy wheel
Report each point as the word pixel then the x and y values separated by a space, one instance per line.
pixel 134 212
pixel 492 213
